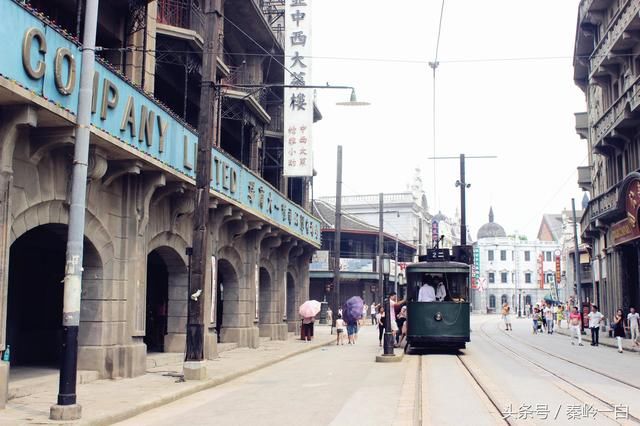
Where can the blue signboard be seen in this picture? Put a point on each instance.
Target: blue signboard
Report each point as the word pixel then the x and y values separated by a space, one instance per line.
pixel 43 59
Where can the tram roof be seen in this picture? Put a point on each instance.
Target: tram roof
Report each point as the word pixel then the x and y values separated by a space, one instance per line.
pixel 439 267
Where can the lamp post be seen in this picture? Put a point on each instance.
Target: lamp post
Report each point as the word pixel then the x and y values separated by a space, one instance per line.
pixel 388 336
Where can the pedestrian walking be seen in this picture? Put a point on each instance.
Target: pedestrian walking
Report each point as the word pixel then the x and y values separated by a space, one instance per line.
pixel 340 328
pixel 567 312
pixel 400 320
pixel 633 323
pixel 559 316
pixel 549 318
pixel 595 319
pixel 352 330
pixel 574 325
pixel 374 311
pixel 506 316
pixel 534 317
pixel 307 328
pixel 365 310
pixel 543 318
pixel 618 328
pixel 380 316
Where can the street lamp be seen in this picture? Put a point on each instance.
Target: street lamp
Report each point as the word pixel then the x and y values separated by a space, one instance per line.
pixel 385 266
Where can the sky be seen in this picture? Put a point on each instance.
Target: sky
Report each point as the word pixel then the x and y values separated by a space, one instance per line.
pixel 504 87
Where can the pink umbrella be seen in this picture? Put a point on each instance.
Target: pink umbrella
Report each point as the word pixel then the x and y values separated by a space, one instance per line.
pixel 309 309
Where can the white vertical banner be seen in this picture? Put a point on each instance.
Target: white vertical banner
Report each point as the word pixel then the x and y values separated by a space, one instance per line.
pixel 214 289
pixel 284 298
pixel 257 273
pixel 298 102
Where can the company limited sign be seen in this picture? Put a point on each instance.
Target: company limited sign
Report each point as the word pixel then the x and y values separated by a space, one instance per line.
pixel 40 59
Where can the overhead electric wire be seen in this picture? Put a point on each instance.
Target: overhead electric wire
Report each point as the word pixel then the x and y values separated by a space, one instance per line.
pixel 434 66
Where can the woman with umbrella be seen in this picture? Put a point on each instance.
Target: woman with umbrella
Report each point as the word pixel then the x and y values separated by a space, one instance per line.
pixel 308 311
pixel 352 312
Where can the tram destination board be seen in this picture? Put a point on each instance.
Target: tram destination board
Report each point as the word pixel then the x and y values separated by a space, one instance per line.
pixel 436 255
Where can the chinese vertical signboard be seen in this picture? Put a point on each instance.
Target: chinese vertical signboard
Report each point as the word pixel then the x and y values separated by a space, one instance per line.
pixel 298 101
pixel 541 270
pixel 435 232
pixel 475 277
pixel 558 270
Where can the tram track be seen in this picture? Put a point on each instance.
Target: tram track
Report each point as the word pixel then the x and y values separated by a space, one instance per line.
pixel 586 367
pixel 549 371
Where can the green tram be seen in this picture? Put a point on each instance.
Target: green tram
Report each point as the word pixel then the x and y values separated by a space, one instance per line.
pixel 443 323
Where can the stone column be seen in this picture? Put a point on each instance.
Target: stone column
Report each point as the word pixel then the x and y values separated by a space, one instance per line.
pixel 12 119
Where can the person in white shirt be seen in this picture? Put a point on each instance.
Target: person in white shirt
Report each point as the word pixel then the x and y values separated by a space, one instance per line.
pixel 427 293
pixel 595 318
pixel 374 308
pixel 441 291
pixel 633 320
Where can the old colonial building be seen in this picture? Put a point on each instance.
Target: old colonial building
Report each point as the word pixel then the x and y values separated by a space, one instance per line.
pixel 140 195
pixel 607 69
pixel 511 269
pixel 359 274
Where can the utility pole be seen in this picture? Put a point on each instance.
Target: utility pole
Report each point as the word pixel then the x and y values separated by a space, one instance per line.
pixel 194 367
pixel 381 244
pixel 396 267
pixel 337 242
pixel 67 407
pixel 576 255
pixel 463 203
pixel 462 183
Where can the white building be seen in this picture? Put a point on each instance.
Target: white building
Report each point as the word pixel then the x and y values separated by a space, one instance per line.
pixel 405 213
pixel 512 269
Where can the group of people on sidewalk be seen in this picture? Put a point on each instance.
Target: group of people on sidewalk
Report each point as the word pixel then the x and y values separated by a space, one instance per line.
pixel 398 312
pixel 619 325
pixel 546 316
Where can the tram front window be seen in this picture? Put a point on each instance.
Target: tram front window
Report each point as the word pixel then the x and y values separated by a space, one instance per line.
pixel 437 287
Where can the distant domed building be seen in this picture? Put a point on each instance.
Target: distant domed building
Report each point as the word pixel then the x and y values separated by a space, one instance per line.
pixel 491 229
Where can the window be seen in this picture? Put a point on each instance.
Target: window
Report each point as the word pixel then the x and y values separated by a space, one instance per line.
pixel 503 255
pixel 490 254
pixel 550 279
pixel 503 299
pixel 492 278
pixel 503 277
pixel 527 277
pixel 527 256
pixel 549 256
pixel 492 301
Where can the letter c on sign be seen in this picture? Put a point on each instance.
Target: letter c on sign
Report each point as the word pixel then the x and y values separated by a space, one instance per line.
pixel 62 54
pixel 29 36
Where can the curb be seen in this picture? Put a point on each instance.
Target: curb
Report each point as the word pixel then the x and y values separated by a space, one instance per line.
pixel 587 338
pixel 109 419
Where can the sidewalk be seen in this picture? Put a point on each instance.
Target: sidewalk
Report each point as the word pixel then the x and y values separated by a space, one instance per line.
pixel 605 340
pixel 108 401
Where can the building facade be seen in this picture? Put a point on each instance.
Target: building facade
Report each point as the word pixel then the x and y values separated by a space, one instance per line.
pixel 140 195
pixel 358 258
pixel 607 70
pixel 511 269
pixel 406 214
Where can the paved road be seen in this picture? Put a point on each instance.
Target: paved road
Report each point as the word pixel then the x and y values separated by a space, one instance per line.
pixel 532 377
pixel 332 385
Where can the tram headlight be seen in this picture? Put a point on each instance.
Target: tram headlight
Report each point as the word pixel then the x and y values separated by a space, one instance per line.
pixel 438 316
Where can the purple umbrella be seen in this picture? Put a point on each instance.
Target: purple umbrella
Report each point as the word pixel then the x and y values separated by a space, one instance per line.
pixel 352 310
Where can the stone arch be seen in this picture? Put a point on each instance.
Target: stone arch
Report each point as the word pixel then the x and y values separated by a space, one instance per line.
pixel 166 295
pixel 229 315
pixel 291 296
pixel 266 283
pixel 57 212
pixel 45 245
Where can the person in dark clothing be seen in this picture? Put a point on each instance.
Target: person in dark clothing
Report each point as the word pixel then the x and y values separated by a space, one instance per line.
pixel 618 328
pixel 380 318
